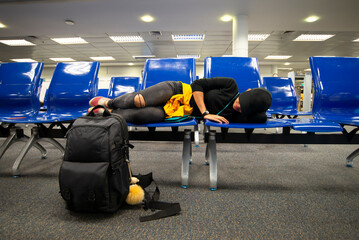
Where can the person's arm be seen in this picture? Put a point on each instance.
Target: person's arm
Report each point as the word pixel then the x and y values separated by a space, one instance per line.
pixel 199 99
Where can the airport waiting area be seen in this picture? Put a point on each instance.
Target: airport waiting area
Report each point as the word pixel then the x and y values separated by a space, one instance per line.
pixel 274 170
pixel 196 120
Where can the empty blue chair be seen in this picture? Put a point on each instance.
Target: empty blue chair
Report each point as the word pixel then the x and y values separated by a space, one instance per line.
pixel 284 97
pixel 336 92
pixel 168 69
pixel 20 87
pixel 103 92
pixel 123 85
pixel 242 69
pixel 336 85
pixel 72 86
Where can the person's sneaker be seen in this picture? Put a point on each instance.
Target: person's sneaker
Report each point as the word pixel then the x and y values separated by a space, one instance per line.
pixel 98 101
pixel 96 111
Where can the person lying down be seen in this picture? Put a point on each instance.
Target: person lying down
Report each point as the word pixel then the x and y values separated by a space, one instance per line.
pixel 216 99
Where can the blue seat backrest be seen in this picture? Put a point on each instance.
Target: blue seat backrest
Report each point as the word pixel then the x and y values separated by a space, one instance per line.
pixel 242 69
pixel 123 85
pixel 103 92
pixel 72 86
pixel 336 88
pixel 283 93
pixel 168 69
pixel 20 86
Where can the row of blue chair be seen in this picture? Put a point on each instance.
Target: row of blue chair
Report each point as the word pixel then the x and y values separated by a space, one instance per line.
pixel 246 72
pixel 71 88
pixel 335 114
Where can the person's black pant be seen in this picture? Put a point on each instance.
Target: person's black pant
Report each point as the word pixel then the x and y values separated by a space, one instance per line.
pixel 155 98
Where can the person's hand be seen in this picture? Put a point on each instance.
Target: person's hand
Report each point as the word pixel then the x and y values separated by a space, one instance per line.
pixel 216 118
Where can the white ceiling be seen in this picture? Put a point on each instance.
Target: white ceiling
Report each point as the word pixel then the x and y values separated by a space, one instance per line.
pixel 95 20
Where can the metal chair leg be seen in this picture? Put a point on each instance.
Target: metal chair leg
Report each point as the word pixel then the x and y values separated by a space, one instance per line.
pixel 186 156
pixel 212 154
pixel 349 160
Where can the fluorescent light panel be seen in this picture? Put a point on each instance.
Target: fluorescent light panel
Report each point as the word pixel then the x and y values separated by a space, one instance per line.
pixel 257 37
pixel 188 56
pixel 105 58
pixel 191 37
pixel 2 25
pixel 356 40
pixel 74 40
pixel 143 56
pixel 23 60
pixel 62 59
pixel 284 68
pixel 17 42
pixel 314 37
pixel 277 57
pixel 127 38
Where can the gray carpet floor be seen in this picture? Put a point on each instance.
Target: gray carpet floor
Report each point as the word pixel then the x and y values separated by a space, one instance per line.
pixel 264 192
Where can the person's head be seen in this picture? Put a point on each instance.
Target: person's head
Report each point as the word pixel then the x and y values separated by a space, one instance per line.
pixel 254 101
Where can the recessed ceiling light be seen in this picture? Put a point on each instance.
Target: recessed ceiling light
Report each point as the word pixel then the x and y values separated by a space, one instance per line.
pixel 17 42
pixel 23 60
pixel 188 56
pixel 130 64
pixel 308 70
pixel 257 37
pixel 72 40
pixel 356 40
pixel 190 37
pixel 127 38
pixel 287 63
pixel 314 37
pixel 227 56
pixel 62 59
pixel 69 22
pixel 311 19
pixel 226 18
pixel 147 18
pixel 2 25
pixel 106 58
pixel 277 57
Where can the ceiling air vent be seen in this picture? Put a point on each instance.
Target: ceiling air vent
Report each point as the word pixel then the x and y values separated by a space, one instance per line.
pixel 155 33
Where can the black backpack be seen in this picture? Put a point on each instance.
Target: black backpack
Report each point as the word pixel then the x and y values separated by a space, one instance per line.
pixel 94 176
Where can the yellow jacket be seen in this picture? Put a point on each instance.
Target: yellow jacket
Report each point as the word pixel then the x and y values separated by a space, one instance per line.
pixel 178 105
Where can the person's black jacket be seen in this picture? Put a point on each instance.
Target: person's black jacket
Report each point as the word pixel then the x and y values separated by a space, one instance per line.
pixel 218 93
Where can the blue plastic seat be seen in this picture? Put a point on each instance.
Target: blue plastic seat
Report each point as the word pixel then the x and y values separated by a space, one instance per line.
pixel 123 85
pixel 244 70
pixel 72 86
pixel 168 69
pixel 103 92
pixel 336 85
pixel 20 87
pixel 284 97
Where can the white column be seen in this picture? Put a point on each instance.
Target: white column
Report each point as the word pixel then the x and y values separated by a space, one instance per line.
pixel 307 92
pixel 240 36
pixel 292 76
pixel 274 70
